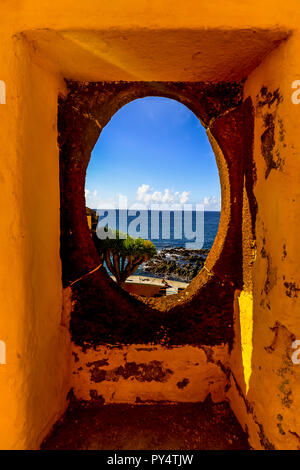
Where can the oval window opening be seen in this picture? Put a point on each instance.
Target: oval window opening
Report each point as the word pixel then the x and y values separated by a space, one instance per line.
pixel 153 196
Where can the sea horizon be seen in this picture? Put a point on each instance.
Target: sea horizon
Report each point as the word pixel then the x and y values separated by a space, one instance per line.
pixel 210 220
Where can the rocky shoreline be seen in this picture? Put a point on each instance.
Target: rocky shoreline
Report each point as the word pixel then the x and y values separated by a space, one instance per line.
pixel 176 263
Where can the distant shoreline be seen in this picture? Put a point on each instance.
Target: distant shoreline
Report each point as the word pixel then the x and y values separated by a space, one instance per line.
pixel 154 281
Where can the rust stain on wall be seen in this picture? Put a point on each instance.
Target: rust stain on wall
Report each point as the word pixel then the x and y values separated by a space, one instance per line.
pixel 291 289
pixel 267 106
pixel 184 382
pixel 279 331
pixel 152 371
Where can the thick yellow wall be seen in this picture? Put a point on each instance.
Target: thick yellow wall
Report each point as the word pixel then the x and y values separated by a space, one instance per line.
pixel 12 287
pixel 274 385
pixel 93 14
pixel 37 346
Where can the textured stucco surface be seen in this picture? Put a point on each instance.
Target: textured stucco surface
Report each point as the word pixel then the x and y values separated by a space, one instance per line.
pixel 269 406
pixel 37 345
pixel 131 54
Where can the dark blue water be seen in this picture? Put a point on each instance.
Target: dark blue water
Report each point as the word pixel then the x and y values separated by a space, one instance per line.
pixel 155 227
pixel 211 225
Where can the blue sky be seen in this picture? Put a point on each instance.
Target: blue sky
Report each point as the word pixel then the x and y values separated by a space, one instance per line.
pixel 153 150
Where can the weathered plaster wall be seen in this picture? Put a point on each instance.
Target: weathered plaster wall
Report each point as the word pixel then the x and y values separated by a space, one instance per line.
pixel 149 374
pixel 37 345
pixel 267 314
pixel 12 289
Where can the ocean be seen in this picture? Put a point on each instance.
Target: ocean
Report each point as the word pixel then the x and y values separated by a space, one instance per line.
pixel 193 230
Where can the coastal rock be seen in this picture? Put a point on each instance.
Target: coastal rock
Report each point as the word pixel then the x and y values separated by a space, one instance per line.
pixel 176 263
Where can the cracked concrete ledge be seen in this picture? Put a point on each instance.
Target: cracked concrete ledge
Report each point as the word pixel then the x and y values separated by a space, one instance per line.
pixel 150 374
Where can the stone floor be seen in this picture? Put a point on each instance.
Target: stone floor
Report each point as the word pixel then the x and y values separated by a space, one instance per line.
pixel 148 427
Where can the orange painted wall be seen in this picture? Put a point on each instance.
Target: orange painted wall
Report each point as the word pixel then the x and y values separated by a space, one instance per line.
pixel 273 305
pixel 149 373
pixel 37 346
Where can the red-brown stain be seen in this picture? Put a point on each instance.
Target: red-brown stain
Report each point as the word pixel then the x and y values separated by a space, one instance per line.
pixel 142 372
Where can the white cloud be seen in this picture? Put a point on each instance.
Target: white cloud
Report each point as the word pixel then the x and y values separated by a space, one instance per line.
pixel 184 197
pixel 94 201
pixel 146 195
pixel 156 196
pixel 142 193
pixel 212 203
